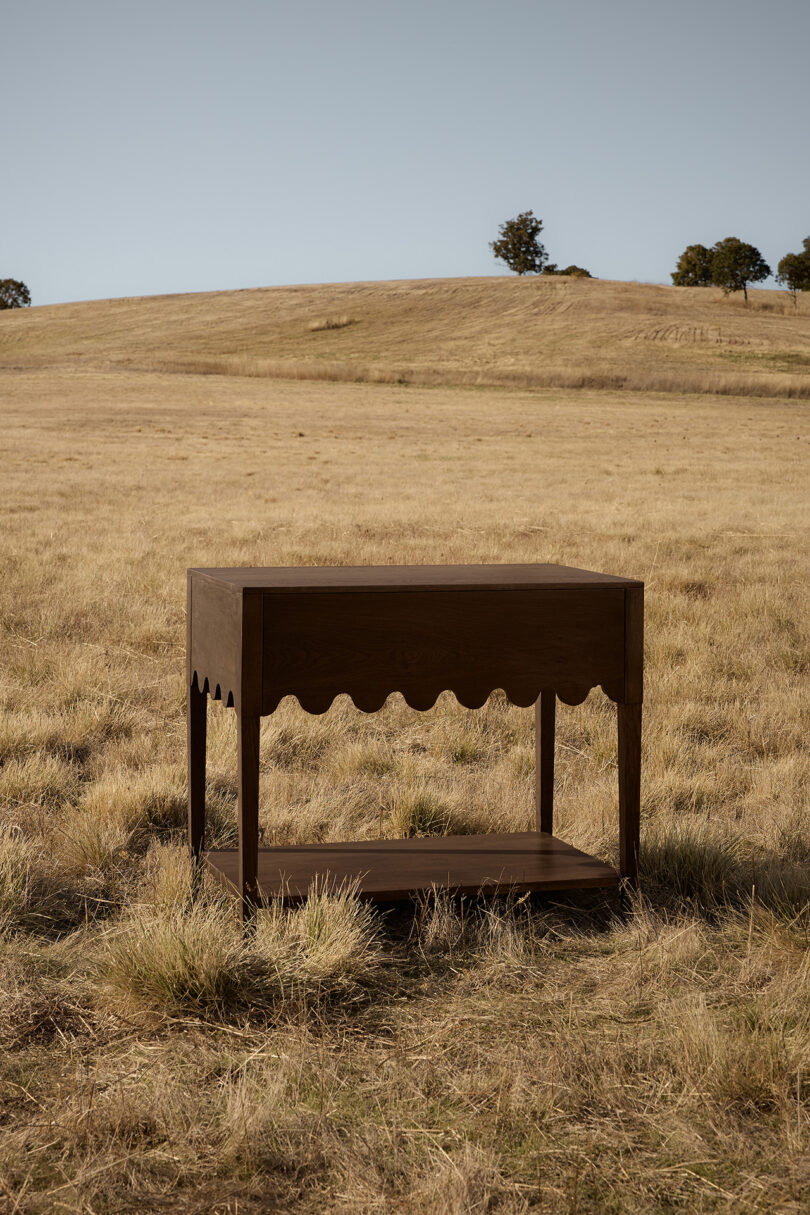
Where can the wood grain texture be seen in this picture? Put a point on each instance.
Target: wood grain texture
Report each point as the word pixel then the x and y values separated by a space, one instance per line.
pixel 544 731
pixel 396 869
pixel 629 716
pixel 248 799
pixel 634 644
pixel 215 637
pixel 249 697
pixel 536 631
pixel 197 720
pixel 318 645
pixel 399 578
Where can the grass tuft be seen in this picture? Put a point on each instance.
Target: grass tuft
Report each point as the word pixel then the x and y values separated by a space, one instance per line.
pixel 175 958
pixel 17 858
pixel 415 810
pixel 175 962
pixel 329 322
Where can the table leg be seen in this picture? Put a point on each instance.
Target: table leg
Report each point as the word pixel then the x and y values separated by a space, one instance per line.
pixel 248 732
pixel 545 716
pixel 629 789
pixel 197 720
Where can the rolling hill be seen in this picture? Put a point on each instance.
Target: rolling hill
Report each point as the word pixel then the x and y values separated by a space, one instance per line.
pixel 531 332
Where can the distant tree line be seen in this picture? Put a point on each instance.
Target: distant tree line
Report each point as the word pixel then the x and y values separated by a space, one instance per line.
pixel 519 246
pixel 14 294
pixel 732 264
pixel 571 271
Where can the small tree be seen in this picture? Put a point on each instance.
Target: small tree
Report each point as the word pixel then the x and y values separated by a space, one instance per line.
pixel 694 268
pixel 736 264
pixel 571 271
pixel 793 271
pixel 518 245
pixel 14 294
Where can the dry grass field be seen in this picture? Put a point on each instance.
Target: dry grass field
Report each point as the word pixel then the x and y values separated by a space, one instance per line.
pixel 497 332
pixel 547 1055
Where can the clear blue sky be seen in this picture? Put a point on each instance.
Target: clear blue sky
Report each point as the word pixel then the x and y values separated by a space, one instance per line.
pixel 154 146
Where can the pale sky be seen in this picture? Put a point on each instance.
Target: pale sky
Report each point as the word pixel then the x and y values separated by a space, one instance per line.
pixel 194 145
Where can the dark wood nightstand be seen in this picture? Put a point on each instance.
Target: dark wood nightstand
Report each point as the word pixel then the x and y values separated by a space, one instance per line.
pixel 539 632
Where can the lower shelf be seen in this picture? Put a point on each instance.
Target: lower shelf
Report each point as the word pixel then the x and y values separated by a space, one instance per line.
pixel 396 869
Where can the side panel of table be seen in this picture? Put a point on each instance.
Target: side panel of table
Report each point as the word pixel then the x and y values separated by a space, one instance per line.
pixel 224 648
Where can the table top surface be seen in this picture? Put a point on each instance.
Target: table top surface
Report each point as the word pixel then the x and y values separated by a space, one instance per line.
pixel 340 578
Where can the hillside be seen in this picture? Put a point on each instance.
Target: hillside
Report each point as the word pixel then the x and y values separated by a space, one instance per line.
pixel 490 331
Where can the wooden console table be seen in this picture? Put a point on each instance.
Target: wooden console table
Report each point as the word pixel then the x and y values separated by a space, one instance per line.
pixel 539 632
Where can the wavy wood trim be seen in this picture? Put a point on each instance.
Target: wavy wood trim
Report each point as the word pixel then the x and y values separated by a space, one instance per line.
pixel 419 699
pixel 213 689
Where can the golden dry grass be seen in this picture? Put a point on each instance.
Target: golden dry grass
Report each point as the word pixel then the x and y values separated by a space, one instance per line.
pixel 531 332
pixel 514 1056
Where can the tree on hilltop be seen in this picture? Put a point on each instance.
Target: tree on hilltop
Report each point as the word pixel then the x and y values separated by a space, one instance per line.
pixel 736 264
pixel 14 294
pixel 569 271
pixel 694 268
pixel 518 245
pixel 793 271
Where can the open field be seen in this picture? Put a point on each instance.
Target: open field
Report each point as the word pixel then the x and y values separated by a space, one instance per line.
pixel 512 1057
